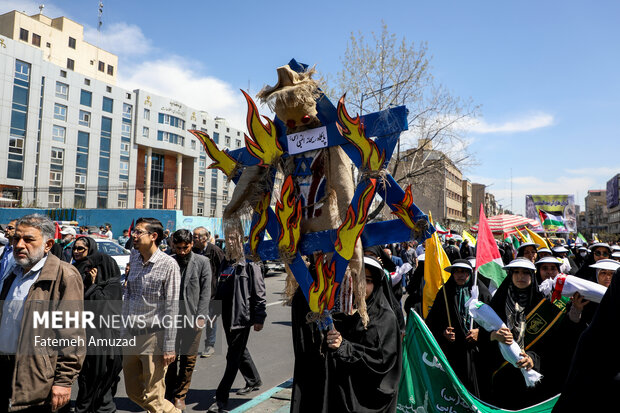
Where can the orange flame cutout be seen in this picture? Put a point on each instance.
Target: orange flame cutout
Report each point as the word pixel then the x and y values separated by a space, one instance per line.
pixel 261 209
pixel 222 160
pixel 322 293
pixel 352 227
pixel 263 143
pixel 288 213
pixel 402 209
pixel 353 131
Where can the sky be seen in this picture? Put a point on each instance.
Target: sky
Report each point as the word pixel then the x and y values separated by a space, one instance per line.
pixel 545 74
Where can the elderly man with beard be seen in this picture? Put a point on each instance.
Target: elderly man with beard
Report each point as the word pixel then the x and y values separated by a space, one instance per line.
pixel 43 282
pixel 195 294
pixel 7 261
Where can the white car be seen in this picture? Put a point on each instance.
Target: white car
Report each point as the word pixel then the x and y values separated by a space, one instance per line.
pixel 120 254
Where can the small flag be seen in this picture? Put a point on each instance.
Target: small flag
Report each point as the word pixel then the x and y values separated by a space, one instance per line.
pixel 434 274
pixel 488 260
pixel 537 239
pixel 582 238
pixel 470 238
pixel 549 220
pixel 57 235
pixel 515 241
pixel 523 237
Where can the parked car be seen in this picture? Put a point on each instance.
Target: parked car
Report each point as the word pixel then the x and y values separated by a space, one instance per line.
pixel 120 254
pixel 273 266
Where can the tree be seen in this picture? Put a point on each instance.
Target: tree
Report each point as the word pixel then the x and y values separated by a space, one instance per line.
pixel 389 72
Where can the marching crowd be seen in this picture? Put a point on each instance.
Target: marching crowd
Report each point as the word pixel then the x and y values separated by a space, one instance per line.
pixel 355 366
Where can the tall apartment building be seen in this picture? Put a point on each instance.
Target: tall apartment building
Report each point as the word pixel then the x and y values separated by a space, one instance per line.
pixel 613 205
pixel 75 140
pixel 467 199
pixel 440 190
pixel 596 210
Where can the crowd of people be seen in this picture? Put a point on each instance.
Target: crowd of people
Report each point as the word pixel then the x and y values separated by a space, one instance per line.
pixel 355 366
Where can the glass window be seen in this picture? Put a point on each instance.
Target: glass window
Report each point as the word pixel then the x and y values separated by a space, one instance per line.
pixel 23 35
pixel 227 139
pixel 111 70
pixel 101 66
pixel 62 90
pixel 55 178
pixel 80 181
pixel 86 98
pixel 83 138
pixel 193 144
pixel 124 148
pixel 216 137
pixel 108 105
pixel 58 133
pixel 145 132
pixel 126 129
pixel 22 70
pixel 87 82
pixel 58 156
pixel 72 42
pixel 60 112
pixel 70 64
pixel 84 118
pixel 36 40
pixel 147 114
pixel 124 167
pixel 81 160
pixel 127 111
pixel 53 201
pixel 238 142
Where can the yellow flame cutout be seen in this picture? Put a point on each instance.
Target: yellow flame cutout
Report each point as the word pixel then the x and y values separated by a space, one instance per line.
pixel 288 213
pixel 322 293
pixel 261 209
pixel 353 131
pixel 352 227
pixel 403 208
pixel 222 160
pixel 263 143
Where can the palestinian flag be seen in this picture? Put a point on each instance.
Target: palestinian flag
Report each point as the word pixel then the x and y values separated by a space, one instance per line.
pixel 549 220
pixel 488 261
pixel 515 241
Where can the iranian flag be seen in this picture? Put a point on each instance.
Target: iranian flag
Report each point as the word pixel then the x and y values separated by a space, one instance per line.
pixel 549 220
pixel 488 261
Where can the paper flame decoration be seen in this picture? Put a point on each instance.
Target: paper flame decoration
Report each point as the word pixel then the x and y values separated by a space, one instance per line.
pixel 322 293
pixel 351 228
pixel 353 130
pixel 288 213
pixel 221 159
pixel 403 209
pixel 261 209
pixel 263 143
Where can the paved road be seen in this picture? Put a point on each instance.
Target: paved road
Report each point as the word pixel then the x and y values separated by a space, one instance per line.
pixel 271 350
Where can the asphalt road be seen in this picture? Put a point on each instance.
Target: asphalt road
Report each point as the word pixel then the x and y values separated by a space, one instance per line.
pixel 271 349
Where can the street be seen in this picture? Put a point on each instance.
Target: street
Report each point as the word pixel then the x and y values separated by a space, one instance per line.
pixel 271 350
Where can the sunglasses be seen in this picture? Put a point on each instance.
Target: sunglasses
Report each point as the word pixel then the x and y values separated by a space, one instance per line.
pixel 139 232
pixel 79 249
pixel 601 253
pixel 9 227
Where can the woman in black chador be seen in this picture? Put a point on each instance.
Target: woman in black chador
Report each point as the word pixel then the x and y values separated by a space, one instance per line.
pixel 455 334
pixel 349 368
pixel 102 295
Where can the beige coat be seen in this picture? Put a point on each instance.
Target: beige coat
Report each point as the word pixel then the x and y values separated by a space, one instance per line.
pixel 59 287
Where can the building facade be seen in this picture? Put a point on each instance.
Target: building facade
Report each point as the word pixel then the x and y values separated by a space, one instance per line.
pixel 75 140
pixel 596 210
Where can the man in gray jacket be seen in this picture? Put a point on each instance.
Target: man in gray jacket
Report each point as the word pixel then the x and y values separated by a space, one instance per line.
pixel 241 288
pixel 195 295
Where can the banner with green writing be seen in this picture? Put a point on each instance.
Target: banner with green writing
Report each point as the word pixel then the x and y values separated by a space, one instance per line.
pixel 428 383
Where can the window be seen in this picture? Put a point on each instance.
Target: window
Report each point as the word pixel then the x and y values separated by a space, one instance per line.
pixel 200 210
pixel 111 70
pixel 23 35
pixel 55 178
pixel 127 111
pixel 60 112
pixel 227 139
pixel 124 167
pixel 48 44
pixel 58 156
pixel 238 143
pixel 36 40
pixel 122 203
pixel 53 201
pixel 227 130
pixel 170 137
pixel 72 42
pixel 86 98
pixel 63 73
pixel 62 90
pixel 216 137
pixel 171 120
pixel 70 64
pixel 84 118
pixel 128 95
pixel 107 105
pixel 147 114
pixel 202 163
pixel 101 66
pixel 217 126
pixel 87 82
pixel 201 180
pixel 145 132
pixel 126 129
pixel 124 148
pixel 58 133
pixel 193 144
pixel 80 181
pixel 108 89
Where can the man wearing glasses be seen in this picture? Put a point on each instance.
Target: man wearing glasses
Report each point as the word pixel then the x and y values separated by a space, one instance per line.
pixel 598 251
pixel 203 247
pixel 151 294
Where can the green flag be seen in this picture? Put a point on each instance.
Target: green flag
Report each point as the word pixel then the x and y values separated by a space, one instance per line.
pixel 428 384
pixel 515 241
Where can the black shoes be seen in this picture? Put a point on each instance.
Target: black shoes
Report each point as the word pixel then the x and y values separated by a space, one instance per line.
pixel 249 389
pixel 217 407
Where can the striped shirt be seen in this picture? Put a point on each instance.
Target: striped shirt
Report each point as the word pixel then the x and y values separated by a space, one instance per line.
pixel 152 294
